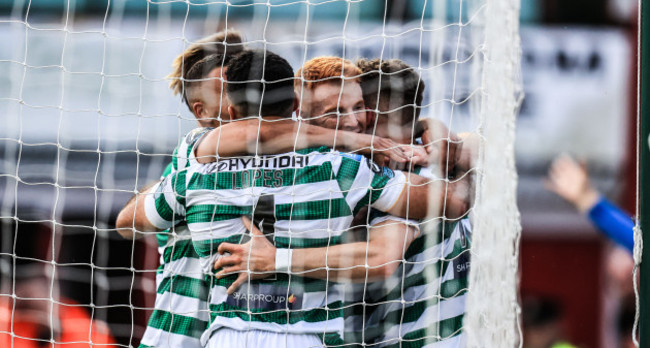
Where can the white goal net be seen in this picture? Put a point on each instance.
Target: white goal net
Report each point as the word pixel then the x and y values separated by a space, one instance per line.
pixel 88 119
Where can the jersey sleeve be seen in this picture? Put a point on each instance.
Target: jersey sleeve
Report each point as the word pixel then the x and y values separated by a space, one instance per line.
pixel 184 152
pixel 382 185
pixel 616 225
pixel 165 205
pixel 377 217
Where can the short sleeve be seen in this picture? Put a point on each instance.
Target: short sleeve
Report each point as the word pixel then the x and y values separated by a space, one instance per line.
pixel 384 186
pixel 184 152
pixel 164 205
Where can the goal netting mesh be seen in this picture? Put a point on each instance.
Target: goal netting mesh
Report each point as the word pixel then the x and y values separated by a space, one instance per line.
pixel 88 118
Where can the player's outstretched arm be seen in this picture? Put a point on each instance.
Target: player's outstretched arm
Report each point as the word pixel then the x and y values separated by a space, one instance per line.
pixel 279 135
pixel 352 262
pixel 132 219
pixel 422 197
pixel 570 180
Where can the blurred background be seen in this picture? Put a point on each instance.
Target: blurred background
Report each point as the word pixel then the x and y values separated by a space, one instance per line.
pixel 87 117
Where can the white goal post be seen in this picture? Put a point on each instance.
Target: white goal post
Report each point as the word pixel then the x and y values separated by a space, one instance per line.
pixel 88 119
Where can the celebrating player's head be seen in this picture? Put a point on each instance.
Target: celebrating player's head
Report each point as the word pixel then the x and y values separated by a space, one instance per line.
pixel 198 75
pixel 330 94
pixel 260 83
pixel 394 91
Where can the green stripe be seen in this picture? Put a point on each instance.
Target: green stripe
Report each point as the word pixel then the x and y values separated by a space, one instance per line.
pixel 179 187
pixel 162 238
pixel 235 180
pixel 300 243
pixel 282 316
pixel 205 248
pixel 174 163
pixel 178 250
pixel 347 173
pixel 185 286
pixel 374 192
pixel 331 339
pixel 163 209
pixel 177 324
pixel 210 213
pixel 169 168
pixel 313 210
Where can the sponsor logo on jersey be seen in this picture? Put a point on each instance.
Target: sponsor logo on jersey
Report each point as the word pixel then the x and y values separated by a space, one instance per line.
pixel 462 264
pixel 271 162
pixel 264 296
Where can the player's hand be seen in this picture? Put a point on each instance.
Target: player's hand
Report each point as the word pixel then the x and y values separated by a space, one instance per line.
pixel 570 180
pixel 254 259
pixel 443 146
pixel 390 153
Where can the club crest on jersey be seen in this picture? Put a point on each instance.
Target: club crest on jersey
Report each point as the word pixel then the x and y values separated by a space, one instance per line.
pixel 383 171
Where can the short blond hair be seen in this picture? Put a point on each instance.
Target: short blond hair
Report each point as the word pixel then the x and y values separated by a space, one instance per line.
pixel 225 42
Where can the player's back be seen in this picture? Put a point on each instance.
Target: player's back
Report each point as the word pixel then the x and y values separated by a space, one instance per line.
pixel 300 199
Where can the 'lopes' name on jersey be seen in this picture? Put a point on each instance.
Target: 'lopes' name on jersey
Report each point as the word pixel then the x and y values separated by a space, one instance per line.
pixel 259 171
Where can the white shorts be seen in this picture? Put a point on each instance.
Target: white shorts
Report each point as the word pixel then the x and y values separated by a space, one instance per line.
pixel 225 337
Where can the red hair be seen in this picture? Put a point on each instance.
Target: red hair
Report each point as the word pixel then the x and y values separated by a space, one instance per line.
pixel 324 70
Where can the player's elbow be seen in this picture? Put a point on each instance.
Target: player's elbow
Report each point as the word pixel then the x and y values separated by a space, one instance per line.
pixel 124 224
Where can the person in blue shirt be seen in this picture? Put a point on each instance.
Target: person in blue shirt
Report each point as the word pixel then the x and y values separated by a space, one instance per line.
pixel 570 180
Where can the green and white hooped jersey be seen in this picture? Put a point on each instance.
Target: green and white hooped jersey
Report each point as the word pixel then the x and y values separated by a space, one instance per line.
pixel 180 313
pixel 423 303
pixel 300 199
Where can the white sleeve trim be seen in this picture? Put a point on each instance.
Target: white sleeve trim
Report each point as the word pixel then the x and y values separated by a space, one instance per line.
pixel 391 192
pixel 150 209
pixel 398 220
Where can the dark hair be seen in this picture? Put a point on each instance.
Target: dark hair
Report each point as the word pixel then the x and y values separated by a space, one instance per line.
pixel 199 72
pixel 225 43
pixel 260 83
pixel 390 79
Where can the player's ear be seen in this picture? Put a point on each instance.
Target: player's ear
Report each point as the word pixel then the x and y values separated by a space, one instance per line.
pixel 233 112
pixel 197 108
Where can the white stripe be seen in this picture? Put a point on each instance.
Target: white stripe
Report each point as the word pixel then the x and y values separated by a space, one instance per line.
pixel 307 192
pixel 252 338
pixel 202 231
pixel 187 266
pixel 243 197
pixel 160 338
pixel 183 305
pixel 302 327
pixel 391 192
pixel 323 228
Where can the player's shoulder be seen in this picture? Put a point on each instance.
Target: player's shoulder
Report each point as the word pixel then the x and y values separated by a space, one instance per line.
pixel 195 134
